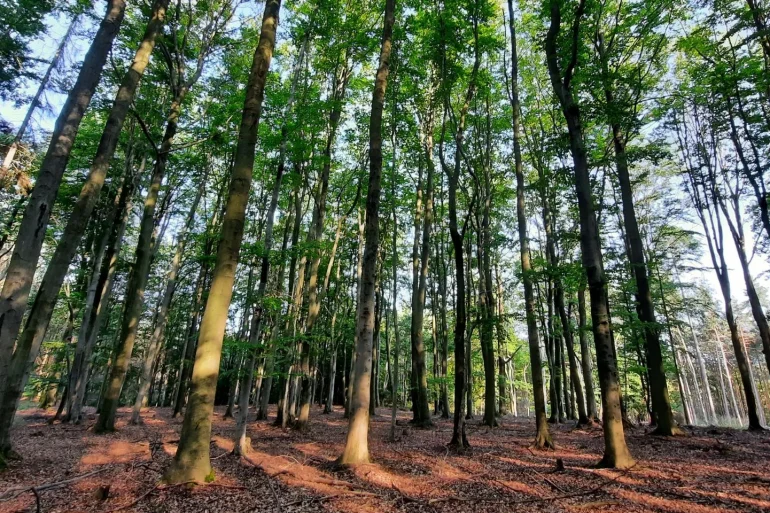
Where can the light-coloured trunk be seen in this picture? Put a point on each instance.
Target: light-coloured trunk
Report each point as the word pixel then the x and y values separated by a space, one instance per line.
pixel 192 460
pixel 357 443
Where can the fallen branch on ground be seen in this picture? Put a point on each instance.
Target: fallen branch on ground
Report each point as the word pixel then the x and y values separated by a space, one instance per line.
pixel 14 492
pixel 160 487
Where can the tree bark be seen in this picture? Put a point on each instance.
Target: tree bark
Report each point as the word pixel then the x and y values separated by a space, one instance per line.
pixel 168 294
pixel 28 244
pixel 542 434
pixel 99 295
pixel 192 460
pixel 357 444
pixel 616 453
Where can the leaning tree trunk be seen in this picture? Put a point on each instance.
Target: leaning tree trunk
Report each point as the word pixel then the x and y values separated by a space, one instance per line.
pixel 165 303
pixel 98 297
pixel 645 308
pixel 616 453
pixel 28 244
pixel 242 443
pixel 542 436
pixel 140 274
pixel 357 442
pixel 192 460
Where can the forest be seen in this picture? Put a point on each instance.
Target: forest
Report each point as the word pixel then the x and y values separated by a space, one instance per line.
pixel 393 255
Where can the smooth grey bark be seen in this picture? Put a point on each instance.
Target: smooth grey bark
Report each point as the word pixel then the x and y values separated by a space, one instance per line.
pixel 357 442
pixel 616 453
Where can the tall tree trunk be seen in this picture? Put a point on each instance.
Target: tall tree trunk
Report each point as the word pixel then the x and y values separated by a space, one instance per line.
pixel 341 76
pixel 357 443
pixel 45 300
pixel 242 443
pixel 645 308
pixel 140 274
pixel 616 453
pixel 190 344
pixel 99 294
pixel 192 460
pixel 168 294
pixel 28 244
pixel 542 436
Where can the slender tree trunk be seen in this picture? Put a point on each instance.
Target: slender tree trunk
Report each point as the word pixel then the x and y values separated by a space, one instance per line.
pixel 243 443
pixel 140 274
pixel 396 331
pixel 192 460
pixel 616 453
pixel 573 367
pixel 45 300
pixel 100 291
pixel 585 356
pixel 357 445
pixel 168 294
pixel 542 436
pixel 645 309
pixel 421 407
pixel 28 244
pixel 190 345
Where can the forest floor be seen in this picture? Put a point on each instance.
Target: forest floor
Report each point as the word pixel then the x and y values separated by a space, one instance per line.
pixel 709 470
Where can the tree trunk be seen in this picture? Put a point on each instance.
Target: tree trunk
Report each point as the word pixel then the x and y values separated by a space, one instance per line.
pixel 165 304
pixel 645 308
pixel 242 443
pixel 192 460
pixel 314 235
pixel 421 416
pixel 28 244
pixel 140 274
pixel 357 444
pixel 616 453
pixel 40 315
pixel 542 436
pixel 99 294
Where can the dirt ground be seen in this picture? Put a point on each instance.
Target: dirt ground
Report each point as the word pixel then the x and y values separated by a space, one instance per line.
pixel 709 470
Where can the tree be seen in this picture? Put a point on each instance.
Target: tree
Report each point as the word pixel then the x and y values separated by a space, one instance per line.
pixel 21 269
pixel 192 459
pixel 616 454
pixel 543 435
pixel 357 444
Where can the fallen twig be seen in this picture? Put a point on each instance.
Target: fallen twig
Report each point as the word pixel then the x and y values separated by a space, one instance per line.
pixel 14 492
pixel 311 500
